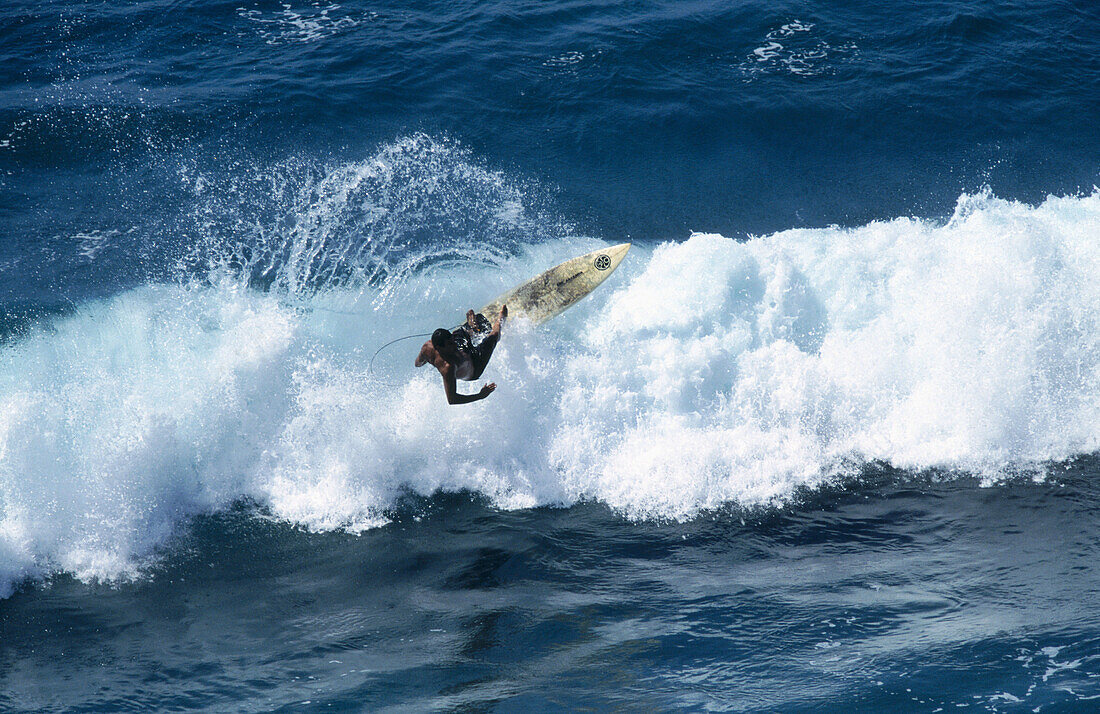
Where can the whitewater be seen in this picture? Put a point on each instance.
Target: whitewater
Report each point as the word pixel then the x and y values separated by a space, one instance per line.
pixel 711 372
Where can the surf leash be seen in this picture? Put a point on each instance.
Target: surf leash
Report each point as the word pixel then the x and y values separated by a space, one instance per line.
pixel 370 365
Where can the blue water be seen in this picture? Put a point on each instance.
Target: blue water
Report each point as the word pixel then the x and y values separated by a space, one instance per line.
pixel 826 441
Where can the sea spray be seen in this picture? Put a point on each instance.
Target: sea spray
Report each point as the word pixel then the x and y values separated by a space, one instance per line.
pixel 707 372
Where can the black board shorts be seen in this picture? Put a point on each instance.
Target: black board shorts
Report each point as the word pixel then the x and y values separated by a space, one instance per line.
pixel 469 340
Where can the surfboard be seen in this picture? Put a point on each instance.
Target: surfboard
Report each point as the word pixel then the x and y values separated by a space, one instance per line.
pixel 548 295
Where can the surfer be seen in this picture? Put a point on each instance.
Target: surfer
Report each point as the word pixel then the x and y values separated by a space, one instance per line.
pixel 456 356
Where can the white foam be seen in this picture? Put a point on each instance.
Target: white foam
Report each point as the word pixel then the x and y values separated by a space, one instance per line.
pixel 304 24
pixel 705 372
pixel 797 54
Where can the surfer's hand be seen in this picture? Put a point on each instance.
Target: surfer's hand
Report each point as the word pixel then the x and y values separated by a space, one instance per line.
pixel 487 390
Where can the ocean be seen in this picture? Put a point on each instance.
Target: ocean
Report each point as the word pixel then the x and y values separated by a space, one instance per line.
pixel 827 441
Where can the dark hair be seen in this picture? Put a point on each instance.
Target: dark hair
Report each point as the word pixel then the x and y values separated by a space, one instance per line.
pixel 440 337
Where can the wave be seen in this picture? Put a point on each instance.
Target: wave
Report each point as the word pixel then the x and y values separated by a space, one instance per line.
pixel 705 373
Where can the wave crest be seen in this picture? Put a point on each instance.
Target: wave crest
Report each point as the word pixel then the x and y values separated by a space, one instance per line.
pixel 704 373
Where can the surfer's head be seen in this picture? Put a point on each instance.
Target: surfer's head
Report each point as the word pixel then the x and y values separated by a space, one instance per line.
pixel 442 341
pixel 445 345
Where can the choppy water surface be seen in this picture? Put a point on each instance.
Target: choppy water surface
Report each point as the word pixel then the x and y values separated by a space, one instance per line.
pixel 826 441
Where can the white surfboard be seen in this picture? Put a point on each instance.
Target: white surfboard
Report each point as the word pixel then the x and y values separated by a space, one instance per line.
pixel 549 294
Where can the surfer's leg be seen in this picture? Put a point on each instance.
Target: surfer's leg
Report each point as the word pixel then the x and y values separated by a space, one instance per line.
pixel 484 351
pixel 476 323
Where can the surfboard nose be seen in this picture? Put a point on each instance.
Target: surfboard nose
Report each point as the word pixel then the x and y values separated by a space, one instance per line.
pixel 616 253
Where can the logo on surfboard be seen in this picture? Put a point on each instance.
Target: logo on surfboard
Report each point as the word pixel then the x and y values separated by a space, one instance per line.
pixel 602 262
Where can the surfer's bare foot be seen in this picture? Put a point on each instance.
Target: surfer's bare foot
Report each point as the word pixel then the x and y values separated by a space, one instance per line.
pixel 471 319
pixel 500 319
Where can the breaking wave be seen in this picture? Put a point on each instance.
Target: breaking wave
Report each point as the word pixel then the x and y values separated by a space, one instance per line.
pixel 705 373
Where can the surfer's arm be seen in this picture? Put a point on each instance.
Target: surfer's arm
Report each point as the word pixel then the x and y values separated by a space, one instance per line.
pixel 422 358
pixel 450 387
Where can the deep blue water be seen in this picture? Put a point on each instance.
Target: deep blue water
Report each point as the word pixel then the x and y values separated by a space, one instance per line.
pixel 825 442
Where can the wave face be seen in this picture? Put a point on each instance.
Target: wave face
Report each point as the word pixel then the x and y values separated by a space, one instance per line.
pixel 758 367
pixel 705 373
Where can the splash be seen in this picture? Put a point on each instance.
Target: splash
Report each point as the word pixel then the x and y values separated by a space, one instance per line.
pixel 300 227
